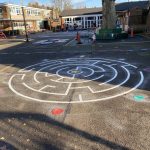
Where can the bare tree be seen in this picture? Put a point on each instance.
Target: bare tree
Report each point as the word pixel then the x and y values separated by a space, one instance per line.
pixel 61 4
pixel 57 4
pixel 34 4
pixel 67 4
pixel 80 5
pixel 109 14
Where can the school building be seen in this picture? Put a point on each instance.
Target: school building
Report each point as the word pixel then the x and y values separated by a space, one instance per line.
pixel 129 14
pixel 11 17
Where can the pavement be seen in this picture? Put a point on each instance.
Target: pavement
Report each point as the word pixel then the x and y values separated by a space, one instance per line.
pixel 55 96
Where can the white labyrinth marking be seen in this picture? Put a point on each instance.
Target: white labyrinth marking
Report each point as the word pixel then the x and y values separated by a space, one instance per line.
pixel 39 71
pixel 41 63
pixel 103 70
pixel 41 41
pixel 86 101
pixel 78 66
pixel 47 86
pixel 82 56
pixel 66 93
pixel 60 79
pixel 49 75
pixel 57 73
pixel 92 72
pixel 22 78
pixel 80 98
pixel 127 78
pixel 79 81
pixel 116 73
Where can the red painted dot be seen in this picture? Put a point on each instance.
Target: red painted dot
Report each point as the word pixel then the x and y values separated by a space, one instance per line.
pixel 57 111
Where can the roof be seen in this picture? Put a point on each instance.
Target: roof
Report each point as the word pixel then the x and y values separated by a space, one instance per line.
pixel 84 11
pixel 131 5
pixel 98 10
pixel 8 4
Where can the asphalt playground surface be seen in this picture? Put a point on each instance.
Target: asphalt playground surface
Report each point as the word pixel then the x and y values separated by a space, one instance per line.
pixel 56 95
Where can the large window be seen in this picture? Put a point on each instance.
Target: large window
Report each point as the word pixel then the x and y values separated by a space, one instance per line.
pixel 78 19
pixel 33 12
pixel 1 11
pixel 18 11
pixel 91 18
pixel 1 24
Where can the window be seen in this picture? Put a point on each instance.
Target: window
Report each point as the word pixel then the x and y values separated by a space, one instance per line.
pixel 1 11
pixel 28 12
pixel 18 11
pixel 78 19
pixel 91 18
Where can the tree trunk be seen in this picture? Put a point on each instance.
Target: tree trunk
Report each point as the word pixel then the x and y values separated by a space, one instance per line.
pixel 109 14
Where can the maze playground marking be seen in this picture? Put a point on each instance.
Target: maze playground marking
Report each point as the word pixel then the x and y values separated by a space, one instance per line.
pixel 76 80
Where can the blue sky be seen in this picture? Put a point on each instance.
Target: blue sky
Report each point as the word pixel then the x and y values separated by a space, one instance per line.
pixel 88 3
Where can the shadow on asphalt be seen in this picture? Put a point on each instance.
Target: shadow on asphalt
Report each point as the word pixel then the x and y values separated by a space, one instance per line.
pixel 48 134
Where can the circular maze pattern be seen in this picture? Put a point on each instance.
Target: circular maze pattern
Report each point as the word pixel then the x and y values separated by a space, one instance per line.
pixel 76 80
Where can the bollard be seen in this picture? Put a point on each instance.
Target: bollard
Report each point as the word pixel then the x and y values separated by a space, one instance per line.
pixel 78 38
pixel 132 32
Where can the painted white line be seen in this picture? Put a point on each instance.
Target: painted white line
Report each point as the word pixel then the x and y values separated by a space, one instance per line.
pixel 95 62
pixel 44 91
pixel 122 59
pixel 45 60
pixel 70 42
pixel 102 69
pixel 115 71
pixel 39 71
pixel 75 64
pixel 122 64
pixel 39 42
pixel 50 62
pixel 49 75
pixel 85 101
pixel 114 87
pixel 57 73
pixel 47 86
pixel 83 81
pixel 103 61
pixel 82 56
pixel 67 91
pixel 80 98
pixel 127 64
pixel 60 79
pixel 92 72
pixel 22 78
pixel 144 49
pixel 25 70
